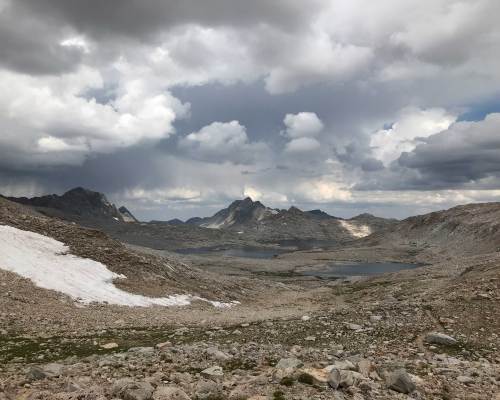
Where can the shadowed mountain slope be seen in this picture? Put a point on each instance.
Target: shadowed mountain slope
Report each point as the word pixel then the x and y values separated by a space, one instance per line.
pixel 77 203
pixel 463 230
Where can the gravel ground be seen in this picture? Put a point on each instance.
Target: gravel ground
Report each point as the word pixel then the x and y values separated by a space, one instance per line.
pixel 428 333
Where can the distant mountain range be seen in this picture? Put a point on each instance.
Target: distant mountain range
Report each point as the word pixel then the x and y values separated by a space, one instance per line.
pixel 246 217
pixel 467 229
pixel 77 203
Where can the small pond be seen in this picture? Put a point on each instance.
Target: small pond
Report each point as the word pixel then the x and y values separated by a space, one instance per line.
pixel 348 269
pixel 306 244
pixel 285 246
pixel 243 252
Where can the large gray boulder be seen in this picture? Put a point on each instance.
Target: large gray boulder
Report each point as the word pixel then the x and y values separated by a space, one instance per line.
pixel 54 369
pixel 214 372
pixel 127 389
pixel 35 374
pixel 217 354
pixel 334 379
pixel 441 339
pixel 289 363
pixel 400 381
pixel 349 378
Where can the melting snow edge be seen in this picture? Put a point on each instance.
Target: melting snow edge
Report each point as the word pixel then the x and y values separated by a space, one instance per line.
pixel 47 263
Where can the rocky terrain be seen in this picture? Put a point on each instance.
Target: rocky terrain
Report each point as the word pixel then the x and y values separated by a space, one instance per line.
pixel 92 209
pixel 146 274
pixel 238 215
pixel 463 230
pixel 425 333
pixel 77 204
pixel 375 223
pixel 253 219
pixel 244 223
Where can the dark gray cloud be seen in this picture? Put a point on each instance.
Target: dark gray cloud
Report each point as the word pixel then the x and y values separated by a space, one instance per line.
pixel 30 45
pixel 372 164
pixel 464 156
pixel 142 19
pixel 466 152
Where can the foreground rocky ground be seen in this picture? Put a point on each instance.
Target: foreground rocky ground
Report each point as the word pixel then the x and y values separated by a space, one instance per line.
pixel 401 336
pixel 427 333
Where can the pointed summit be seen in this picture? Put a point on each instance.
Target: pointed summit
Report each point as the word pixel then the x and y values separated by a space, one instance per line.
pixel 239 213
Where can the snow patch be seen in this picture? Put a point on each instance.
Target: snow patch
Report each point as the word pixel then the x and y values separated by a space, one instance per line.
pixel 357 231
pixel 127 218
pixel 215 225
pixel 47 263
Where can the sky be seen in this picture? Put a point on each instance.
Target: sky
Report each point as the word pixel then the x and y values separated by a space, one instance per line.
pixel 175 109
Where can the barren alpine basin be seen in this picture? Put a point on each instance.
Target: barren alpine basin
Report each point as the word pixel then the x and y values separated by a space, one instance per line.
pixel 249 200
pixel 88 314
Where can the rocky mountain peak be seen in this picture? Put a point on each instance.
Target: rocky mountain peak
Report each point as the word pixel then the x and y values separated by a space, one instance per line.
pixel 78 202
pixel 239 213
pixel 81 191
pixel 320 214
pixel 295 210
pixel 364 216
pixel 86 198
pixel 252 217
pixel 246 203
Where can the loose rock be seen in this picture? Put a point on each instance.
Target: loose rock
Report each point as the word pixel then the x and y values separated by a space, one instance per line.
pixel 441 339
pixel 213 372
pixel 400 381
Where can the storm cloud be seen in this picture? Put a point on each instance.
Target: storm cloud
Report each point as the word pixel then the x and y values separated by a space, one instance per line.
pixel 175 108
pixel 467 152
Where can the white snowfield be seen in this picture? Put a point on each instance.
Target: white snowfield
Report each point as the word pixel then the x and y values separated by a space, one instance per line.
pixel 49 265
pixel 358 231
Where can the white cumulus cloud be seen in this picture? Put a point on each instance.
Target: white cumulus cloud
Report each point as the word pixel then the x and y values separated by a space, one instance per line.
pixel 223 141
pixel 48 121
pixel 302 124
pixel 302 145
pixel 404 134
pixel 301 129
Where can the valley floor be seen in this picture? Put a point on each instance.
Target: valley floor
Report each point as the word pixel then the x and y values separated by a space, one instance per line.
pixel 427 333
pixel 367 329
